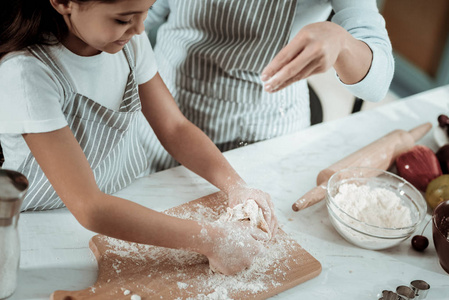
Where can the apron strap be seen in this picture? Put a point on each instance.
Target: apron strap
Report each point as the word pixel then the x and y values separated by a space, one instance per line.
pixel 129 57
pixel 43 55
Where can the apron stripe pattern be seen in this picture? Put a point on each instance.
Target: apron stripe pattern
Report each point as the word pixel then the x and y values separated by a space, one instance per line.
pixel 211 54
pixel 112 141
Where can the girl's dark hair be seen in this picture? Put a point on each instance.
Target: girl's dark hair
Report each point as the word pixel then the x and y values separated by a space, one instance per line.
pixel 27 22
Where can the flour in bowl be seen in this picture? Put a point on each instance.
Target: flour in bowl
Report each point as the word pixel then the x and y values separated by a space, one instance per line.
pixel 375 206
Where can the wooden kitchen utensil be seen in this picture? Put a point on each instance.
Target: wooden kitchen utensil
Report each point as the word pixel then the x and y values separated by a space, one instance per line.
pixel 380 154
pixel 127 269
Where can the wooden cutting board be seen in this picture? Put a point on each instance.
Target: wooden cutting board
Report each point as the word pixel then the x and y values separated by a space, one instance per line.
pixel 126 269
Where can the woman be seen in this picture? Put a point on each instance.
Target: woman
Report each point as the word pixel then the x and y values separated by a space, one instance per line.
pixel 237 68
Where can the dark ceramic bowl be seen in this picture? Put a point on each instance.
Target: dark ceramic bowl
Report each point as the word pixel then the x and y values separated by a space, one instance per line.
pixel 440 229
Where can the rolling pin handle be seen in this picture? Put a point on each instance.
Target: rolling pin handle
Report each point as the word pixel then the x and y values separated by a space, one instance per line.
pixel 418 132
pixel 408 138
pixel 312 197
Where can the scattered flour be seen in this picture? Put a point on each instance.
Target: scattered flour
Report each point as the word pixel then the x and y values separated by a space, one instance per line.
pixel 126 292
pixel 374 206
pixel 187 266
pixel 220 293
pixel 135 297
pixel 182 285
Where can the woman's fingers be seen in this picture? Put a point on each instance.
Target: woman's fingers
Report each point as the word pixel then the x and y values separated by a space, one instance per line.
pixel 305 60
pixel 315 47
pixel 310 70
pixel 285 56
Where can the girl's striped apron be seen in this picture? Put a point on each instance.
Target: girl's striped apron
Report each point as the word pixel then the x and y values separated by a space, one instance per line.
pixel 114 142
pixel 211 53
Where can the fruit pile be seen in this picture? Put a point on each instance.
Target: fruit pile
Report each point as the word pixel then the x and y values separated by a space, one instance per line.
pixel 428 171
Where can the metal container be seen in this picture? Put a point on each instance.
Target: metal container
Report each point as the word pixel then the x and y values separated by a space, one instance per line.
pixel 13 187
pixel 405 293
pixel 421 288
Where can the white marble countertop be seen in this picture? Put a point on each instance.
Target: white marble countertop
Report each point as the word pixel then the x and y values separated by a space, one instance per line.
pixel 54 247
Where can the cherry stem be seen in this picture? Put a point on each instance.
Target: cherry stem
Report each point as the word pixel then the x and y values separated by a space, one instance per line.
pixel 425 226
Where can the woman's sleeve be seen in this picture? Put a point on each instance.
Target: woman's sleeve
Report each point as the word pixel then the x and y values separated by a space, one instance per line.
pixel 30 97
pixel 157 14
pixel 361 18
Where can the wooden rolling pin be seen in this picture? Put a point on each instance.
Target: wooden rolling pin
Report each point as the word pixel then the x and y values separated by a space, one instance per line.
pixel 380 154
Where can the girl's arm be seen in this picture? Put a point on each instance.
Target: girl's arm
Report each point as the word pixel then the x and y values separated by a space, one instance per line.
pixel 65 165
pixel 183 140
pixel 193 149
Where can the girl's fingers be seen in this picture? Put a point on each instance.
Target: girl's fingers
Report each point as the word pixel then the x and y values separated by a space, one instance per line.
pixel 269 216
pixel 266 213
pixel 258 234
pixel 269 208
pixel 263 200
pixel 274 227
pixel 274 222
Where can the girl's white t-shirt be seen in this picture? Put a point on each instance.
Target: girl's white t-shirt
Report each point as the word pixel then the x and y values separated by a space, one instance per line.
pixel 31 96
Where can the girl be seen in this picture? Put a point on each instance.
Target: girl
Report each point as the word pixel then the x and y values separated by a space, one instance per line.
pixel 75 78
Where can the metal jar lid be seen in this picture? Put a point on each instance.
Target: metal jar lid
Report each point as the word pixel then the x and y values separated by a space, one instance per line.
pixel 13 186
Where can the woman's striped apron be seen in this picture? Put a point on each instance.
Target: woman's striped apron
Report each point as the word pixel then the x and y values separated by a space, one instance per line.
pixel 116 143
pixel 211 53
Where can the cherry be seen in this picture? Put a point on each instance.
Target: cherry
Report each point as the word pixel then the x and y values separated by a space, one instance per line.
pixel 420 242
pixel 443 121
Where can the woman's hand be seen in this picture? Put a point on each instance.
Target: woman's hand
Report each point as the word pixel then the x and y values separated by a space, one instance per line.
pixel 315 49
pixel 232 248
pixel 241 194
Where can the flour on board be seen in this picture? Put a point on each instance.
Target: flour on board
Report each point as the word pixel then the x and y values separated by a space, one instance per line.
pixel 267 271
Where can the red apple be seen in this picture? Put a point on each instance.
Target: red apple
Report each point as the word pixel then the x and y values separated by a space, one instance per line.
pixel 418 166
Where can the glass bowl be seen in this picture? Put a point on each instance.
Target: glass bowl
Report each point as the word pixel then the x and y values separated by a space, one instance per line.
pixel 361 233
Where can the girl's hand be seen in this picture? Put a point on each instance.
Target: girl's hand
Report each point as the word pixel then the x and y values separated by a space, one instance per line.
pixel 232 248
pixel 315 49
pixel 241 194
